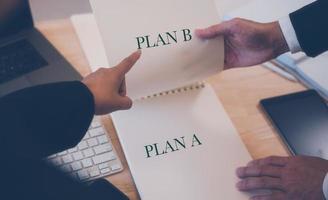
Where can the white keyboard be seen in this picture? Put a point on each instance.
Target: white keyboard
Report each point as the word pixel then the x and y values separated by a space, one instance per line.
pixel 93 158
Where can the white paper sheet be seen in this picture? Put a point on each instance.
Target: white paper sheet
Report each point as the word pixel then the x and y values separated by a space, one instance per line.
pixel 205 171
pixel 164 67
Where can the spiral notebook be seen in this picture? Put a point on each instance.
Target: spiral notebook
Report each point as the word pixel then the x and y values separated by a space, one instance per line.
pixel 172 56
pixel 226 158
pixel 179 144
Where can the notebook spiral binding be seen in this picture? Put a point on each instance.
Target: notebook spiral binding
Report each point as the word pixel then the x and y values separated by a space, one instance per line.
pixel 196 86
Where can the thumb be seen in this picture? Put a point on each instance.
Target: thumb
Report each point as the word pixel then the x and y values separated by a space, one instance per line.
pixel 124 102
pixel 213 31
pixel 124 67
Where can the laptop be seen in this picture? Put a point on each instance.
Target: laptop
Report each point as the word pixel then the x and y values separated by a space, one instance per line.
pixel 27 58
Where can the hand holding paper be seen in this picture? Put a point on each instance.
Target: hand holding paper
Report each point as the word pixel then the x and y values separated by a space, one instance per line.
pixel 247 43
pixel 172 56
pixel 183 136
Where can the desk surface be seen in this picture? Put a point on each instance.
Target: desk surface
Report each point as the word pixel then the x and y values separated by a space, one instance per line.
pixel 239 90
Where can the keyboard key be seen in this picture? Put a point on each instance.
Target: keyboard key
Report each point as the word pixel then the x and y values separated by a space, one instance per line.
pixel 96 132
pixel 103 158
pixel 94 172
pixel 83 174
pixel 78 155
pixel 102 139
pixel 102 148
pixel 72 150
pixel 88 152
pixel 105 171
pixel 74 175
pixel 62 153
pixel 83 145
pixel 92 142
pixel 66 168
pixel 87 162
pixel 67 159
pixel 57 161
pixel 87 136
pixel 76 166
pixel 116 167
pixel 103 165
pixel 52 156
pixel 95 124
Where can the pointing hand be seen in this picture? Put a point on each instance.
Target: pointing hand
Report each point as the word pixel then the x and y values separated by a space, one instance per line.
pixel 108 86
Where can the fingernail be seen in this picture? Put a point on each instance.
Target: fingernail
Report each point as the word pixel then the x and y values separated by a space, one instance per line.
pixel 138 51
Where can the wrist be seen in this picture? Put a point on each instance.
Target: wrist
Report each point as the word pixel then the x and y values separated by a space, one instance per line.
pixel 278 42
pixel 91 95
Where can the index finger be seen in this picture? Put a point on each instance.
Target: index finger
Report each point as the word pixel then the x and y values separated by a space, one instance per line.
pixel 124 67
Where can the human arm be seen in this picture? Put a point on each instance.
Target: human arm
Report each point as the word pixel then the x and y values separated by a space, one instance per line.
pixel 43 120
pixel 305 29
pixel 249 43
pixel 311 27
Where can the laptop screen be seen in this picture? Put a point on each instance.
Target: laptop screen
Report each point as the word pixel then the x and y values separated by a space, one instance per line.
pixel 15 15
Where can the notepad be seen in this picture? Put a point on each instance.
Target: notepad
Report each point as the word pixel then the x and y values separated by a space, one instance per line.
pixel 178 140
pixel 181 145
pixel 172 56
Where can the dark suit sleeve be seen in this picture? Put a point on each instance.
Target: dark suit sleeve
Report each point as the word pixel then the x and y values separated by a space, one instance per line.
pixel 35 123
pixel 311 26
pixel 43 120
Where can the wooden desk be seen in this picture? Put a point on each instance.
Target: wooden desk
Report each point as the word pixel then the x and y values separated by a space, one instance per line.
pixel 239 90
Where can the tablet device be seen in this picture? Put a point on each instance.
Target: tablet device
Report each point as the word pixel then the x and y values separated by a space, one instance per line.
pixel 302 121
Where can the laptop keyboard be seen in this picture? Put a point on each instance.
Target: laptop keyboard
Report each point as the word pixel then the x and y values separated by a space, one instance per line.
pixel 19 58
pixel 94 157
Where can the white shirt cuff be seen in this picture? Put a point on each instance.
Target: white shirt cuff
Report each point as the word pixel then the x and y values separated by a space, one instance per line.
pixel 325 186
pixel 290 34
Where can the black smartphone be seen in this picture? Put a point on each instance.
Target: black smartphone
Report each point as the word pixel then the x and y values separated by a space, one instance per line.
pixel 301 119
